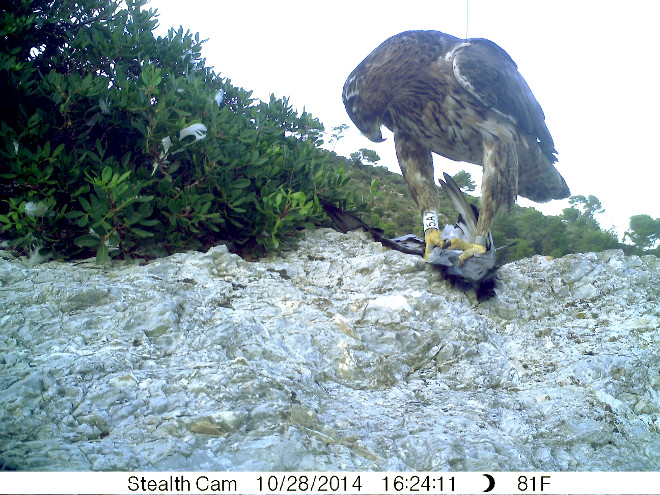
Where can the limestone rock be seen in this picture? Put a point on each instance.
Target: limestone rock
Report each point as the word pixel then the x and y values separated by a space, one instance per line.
pixel 336 355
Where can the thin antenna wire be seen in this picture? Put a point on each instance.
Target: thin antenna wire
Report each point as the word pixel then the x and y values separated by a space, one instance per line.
pixel 467 17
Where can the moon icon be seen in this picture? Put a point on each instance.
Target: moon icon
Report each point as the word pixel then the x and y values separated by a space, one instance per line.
pixel 491 483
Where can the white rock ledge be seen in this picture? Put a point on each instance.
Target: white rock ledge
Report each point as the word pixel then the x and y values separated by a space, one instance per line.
pixel 339 355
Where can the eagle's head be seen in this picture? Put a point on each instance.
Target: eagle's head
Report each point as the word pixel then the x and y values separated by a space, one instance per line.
pixel 361 108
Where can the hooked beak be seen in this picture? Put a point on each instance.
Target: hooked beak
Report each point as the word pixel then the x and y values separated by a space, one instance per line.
pixel 376 136
pixel 369 126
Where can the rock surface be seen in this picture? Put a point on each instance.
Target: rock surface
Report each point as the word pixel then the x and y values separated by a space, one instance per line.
pixel 338 355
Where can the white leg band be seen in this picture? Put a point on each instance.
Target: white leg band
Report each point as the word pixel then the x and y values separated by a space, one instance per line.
pixel 430 220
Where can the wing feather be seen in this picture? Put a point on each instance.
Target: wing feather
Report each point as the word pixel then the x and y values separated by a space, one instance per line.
pixel 464 209
pixel 488 73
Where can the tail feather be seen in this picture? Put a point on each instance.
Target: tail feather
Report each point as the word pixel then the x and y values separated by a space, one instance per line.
pixel 538 179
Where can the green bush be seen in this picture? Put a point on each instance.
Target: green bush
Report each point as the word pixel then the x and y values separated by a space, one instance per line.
pixel 115 142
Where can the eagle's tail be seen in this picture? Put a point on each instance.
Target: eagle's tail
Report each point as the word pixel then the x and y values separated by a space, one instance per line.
pixel 538 179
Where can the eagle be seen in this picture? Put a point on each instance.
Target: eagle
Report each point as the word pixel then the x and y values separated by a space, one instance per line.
pixel 463 99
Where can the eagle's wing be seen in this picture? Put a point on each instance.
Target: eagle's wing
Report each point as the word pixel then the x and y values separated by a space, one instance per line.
pixel 488 73
pixel 346 222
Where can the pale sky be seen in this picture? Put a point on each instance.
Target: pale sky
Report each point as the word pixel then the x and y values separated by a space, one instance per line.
pixel 593 67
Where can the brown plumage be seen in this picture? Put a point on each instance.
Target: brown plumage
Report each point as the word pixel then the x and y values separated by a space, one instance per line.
pixel 464 100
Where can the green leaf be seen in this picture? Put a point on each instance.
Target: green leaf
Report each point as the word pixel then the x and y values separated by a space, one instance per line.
pixel 126 160
pixel 85 204
pixel 102 254
pixel 124 176
pixel 241 183
pixel 106 175
pixel 81 190
pixel 141 233
pixel 93 156
pixel 149 223
pixel 87 240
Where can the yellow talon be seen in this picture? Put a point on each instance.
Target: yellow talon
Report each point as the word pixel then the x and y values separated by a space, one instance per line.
pixel 468 249
pixel 457 244
pixel 471 251
pixel 433 238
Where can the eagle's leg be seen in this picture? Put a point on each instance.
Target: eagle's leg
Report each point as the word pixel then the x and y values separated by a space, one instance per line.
pixel 499 188
pixel 417 167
